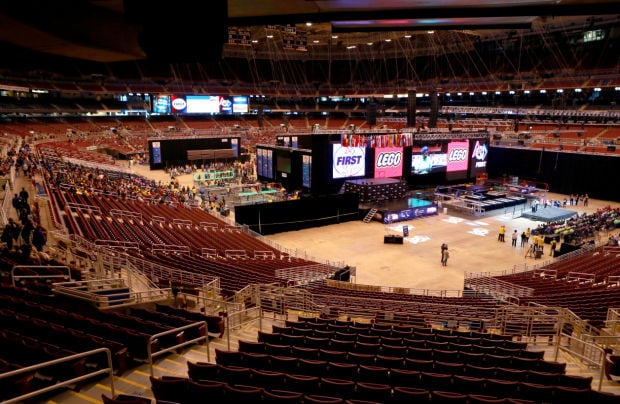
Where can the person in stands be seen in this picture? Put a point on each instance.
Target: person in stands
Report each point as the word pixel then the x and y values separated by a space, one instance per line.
pixel 39 237
pixel 8 234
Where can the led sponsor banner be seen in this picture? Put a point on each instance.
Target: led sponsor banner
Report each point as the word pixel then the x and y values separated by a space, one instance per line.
pixel 178 103
pixel 409 214
pixel 264 163
pixel 306 169
pixel 388 162
pixel 240 104
pixel 458 156
pixel 161 104
pixel 156 152
pixel 234 144
pixel 348 161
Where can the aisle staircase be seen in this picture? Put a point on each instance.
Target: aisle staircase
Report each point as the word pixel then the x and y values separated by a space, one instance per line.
pixel 369 215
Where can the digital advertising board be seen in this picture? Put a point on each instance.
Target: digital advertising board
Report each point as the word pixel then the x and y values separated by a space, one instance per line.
pixel 161 104
pixel 201 104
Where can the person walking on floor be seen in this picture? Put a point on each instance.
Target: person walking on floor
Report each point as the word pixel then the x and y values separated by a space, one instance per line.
pixel 523 239
pixel 554 244
pixel 514 238
pixel 444 254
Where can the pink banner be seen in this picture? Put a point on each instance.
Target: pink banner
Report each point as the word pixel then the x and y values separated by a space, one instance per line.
pixel 458 156
pixel 388 162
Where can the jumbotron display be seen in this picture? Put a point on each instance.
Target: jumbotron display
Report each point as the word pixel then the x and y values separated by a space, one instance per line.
pixel 427 159
pixel 201 104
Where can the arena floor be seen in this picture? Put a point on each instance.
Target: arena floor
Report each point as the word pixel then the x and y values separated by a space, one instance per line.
pixel 472 242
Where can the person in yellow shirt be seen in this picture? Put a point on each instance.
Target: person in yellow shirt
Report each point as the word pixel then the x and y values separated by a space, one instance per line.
pixel 528 233
pixel 502 233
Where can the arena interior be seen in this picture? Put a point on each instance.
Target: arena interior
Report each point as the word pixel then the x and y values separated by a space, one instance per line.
pixel 310 201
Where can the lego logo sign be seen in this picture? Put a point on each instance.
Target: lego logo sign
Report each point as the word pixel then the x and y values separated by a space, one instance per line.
pixel 458 156
pixel 388 162
pixel 389 159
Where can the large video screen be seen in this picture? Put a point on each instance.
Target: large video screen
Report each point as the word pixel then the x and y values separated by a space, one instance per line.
pixel 202 104
pixel 283 163
pixel 348 162
pixel 478 156
pixel 388 162
pixel 458 159
pixel 428 159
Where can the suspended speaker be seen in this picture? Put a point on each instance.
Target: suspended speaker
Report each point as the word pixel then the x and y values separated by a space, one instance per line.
pixel 411 108
pixel 432 120
pixel 371 113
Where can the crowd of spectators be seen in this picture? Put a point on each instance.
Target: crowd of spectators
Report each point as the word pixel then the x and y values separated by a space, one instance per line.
pixel 244 172
pixel 581 227
pixel 88 181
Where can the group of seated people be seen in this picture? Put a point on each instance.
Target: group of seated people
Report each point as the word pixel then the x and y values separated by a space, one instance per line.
pixel 581 226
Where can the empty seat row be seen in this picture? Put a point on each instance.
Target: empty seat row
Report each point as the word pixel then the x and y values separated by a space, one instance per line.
pixel 353 342
pixel 335 350
pixel 387 367
pixel 426 385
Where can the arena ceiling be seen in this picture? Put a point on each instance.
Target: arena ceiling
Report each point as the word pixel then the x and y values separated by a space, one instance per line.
pixel 127 30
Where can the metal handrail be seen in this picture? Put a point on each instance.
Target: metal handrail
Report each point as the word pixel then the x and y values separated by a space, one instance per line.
pixel 109 370
pixel 149 345
pixel 66 277
pixel 578 348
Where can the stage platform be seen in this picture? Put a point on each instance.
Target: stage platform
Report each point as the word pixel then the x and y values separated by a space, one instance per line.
pixel 548 214
pixel 377 189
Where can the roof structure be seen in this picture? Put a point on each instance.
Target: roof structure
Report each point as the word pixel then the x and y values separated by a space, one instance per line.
pixel 185 30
